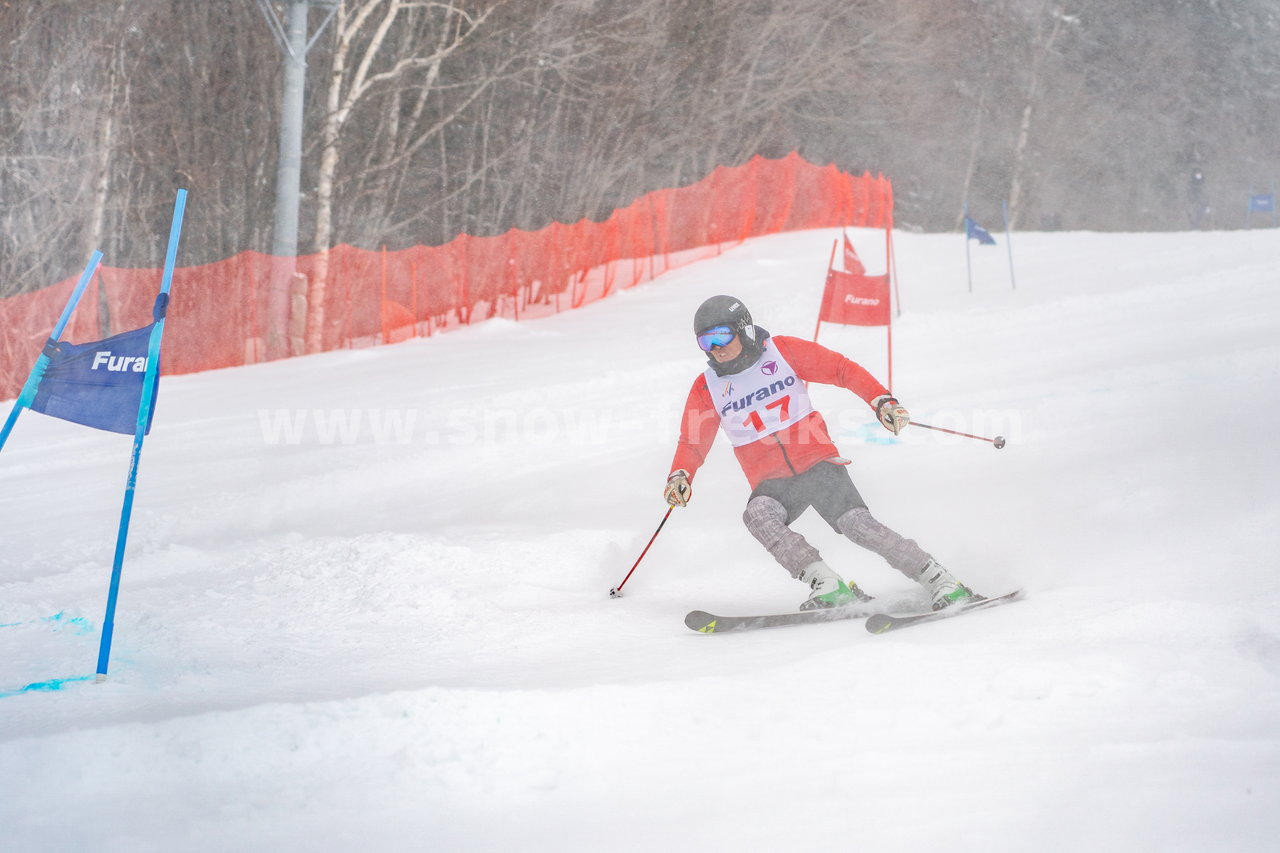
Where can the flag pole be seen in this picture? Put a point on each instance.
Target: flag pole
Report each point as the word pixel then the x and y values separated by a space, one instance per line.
pixel 826 289
pixel 140 430
pixel 888 271
pixel 42 361
pixel 1008 241
pixel 889 332
pixel 891 262
pixel 968 266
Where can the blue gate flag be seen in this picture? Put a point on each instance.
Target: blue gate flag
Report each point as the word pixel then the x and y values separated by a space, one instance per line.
pixel 974 231
pixel 110 385
pixel 97 384
pixel 1262 203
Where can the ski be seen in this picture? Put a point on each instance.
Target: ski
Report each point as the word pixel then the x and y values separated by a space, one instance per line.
pixel 709 623
pixel 880 623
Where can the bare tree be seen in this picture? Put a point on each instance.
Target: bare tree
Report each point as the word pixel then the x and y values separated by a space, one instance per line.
pixel 46 114
pixel 362 63
pixel 428 118
pixel 1049 23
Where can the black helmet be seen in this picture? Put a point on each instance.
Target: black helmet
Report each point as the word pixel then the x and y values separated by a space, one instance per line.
pixel 722 311
pixel 729 311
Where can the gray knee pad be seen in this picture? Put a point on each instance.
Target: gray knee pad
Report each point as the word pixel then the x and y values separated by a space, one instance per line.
pixel 901 553
pixel 766 518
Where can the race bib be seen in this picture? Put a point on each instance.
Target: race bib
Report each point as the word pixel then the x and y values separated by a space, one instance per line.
pixel 761 400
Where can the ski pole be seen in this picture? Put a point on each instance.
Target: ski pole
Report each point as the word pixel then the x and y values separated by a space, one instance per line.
pixel 616 592
pixel 998 441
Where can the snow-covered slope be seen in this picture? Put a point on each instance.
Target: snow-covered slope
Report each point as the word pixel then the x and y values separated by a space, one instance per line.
pixel 366 599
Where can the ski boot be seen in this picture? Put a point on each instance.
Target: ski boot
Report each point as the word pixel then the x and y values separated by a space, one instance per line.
pixel 829 589
pixel 943 587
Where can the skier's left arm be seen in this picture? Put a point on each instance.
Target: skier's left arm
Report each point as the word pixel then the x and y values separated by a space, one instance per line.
pixel 815 363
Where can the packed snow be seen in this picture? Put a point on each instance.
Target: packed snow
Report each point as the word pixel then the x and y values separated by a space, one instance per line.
pixel 365 604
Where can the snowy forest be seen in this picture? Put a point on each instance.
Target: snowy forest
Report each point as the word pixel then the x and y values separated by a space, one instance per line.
pixel 426 120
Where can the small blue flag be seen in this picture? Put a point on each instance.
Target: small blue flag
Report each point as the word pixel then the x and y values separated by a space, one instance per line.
pixel 1262 203
pixel 974 231
pixel 97 384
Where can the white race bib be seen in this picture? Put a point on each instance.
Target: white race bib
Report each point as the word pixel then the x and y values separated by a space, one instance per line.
pixel 761 400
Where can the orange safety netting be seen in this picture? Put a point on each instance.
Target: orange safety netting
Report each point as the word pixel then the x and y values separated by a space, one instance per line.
pixel 228 313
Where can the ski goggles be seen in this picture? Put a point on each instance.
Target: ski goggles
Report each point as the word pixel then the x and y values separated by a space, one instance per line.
pixel 716 337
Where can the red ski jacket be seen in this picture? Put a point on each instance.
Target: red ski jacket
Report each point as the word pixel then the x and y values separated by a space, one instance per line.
pixel 792 450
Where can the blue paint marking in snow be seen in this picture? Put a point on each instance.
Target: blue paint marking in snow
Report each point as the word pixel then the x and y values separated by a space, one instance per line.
pixel 44 686
pixel 80 624
pixel 59 620
pixel 875 434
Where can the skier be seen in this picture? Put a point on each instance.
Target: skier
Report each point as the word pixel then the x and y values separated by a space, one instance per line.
pixel 754 389
pixel 1199 203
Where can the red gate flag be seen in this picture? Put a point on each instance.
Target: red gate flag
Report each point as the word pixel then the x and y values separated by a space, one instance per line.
pixel 852 263
pixel 852 297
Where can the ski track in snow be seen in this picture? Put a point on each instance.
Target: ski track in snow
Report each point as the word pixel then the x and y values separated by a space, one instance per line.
pixel 365 600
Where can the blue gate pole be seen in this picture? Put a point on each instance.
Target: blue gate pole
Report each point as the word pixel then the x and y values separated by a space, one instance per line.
pixel 968 266
pixel 140 431
pixel 32 384
pixel 1008 242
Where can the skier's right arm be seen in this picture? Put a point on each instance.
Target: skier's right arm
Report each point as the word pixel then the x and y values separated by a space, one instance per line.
pixel 698 427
